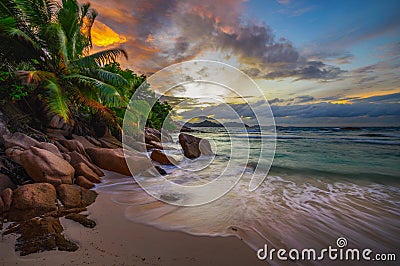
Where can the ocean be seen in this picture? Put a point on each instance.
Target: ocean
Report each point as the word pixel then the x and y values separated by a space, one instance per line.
pixel 324 184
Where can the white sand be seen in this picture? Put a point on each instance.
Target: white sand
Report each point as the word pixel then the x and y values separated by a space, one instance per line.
pixel 117 241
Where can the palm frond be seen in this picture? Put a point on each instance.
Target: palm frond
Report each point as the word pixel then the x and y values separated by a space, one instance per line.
pixel 106 93
pixel 68 17
pixel 88 16
pixel 111 78
pixel 37 12
pixel 101 58
pixel 8 8
pixel 35 77
pixel 8 28
pixel 56 100
pixel 100 109
pixel 16 45
pixel 62 45
pixel 57 46
pixel 84 12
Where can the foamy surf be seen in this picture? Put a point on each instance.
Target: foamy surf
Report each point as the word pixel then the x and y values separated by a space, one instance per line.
pixel 327 197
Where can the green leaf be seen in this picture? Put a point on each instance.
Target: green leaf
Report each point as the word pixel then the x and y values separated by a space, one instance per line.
pixel 111 78
pixel 100 58
pixel 107 93
pixel 56 100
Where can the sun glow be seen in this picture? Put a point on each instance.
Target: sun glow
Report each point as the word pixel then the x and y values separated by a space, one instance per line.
pixel 102 35
pixel 341 102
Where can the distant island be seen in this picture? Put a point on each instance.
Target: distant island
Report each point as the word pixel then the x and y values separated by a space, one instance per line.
pixel 215 123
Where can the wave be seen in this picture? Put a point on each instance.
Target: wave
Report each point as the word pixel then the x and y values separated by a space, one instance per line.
pixel 310 172
pixel 380 135
pixel 374 138
pixel 376 141
pixel 329 139
pixel 294 137
pixel 285 212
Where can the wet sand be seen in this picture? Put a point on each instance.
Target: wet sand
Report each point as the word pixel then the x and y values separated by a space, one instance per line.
pixel 117 241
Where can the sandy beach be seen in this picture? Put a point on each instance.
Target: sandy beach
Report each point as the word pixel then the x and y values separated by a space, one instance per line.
pixel 199 132
pixel 117 241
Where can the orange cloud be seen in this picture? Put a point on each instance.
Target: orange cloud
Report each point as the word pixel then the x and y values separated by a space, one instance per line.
pixel 102 35
pixel 377 93
pixel 367 95
pixel 341 102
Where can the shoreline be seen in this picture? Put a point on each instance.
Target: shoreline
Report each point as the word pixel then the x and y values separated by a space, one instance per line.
pixel 116 240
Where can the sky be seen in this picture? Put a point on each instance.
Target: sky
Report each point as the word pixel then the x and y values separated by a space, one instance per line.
pixel 318 63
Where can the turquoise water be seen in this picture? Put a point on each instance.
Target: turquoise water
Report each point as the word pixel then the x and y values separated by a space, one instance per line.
pixel 324 183
pixel 366 153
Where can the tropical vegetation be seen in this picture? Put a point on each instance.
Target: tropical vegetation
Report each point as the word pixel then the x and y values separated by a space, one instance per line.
pixel 47 66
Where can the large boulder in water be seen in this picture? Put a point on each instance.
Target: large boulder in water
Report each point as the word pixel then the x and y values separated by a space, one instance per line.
pixel 193 146
pixel 44 166
pixel 32 200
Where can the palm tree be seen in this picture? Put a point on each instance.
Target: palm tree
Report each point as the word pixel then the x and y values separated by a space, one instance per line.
pixel 46 45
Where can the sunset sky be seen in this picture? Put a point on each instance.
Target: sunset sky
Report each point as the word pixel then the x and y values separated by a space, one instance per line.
pixel 319 63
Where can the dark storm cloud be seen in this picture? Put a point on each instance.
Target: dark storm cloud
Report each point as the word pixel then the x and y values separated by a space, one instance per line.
pixel 308 70
pixel 257 42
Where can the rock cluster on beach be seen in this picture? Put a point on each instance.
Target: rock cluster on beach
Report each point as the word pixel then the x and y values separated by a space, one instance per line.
pixel 57 177
pixel 61 174
pixel 193 146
